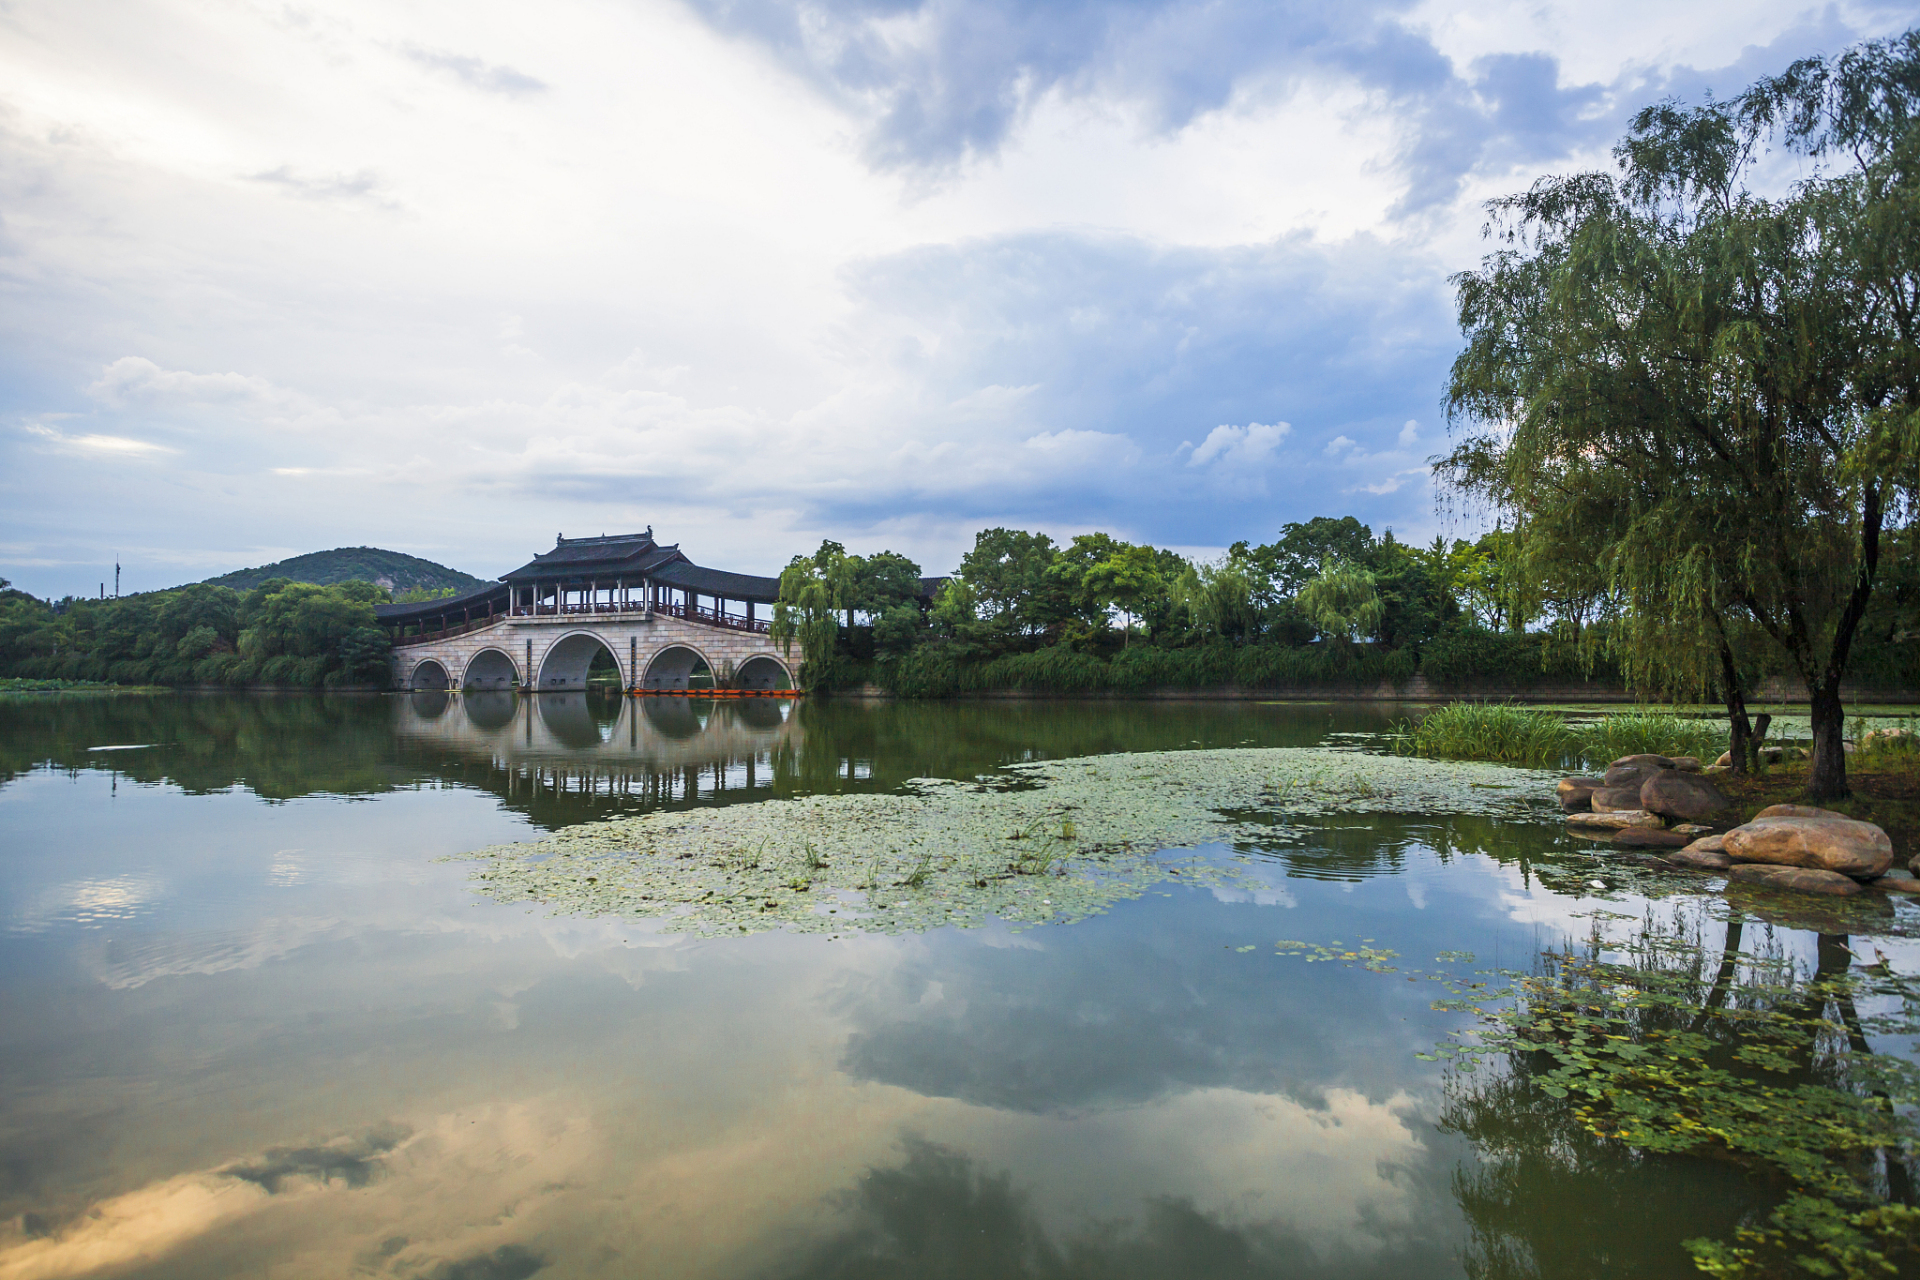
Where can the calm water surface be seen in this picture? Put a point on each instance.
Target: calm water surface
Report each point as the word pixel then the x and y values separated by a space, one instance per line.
pixel 251 1024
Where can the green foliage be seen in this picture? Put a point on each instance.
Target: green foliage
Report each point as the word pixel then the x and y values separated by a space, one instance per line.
pixel 1303 551
pixel 814 592
pixel 1343 602
pixel 280 633
pixel 397 571
pixel 1509 734
pixel 1224 598
pixel 1705 403
pixel 1642 732
pixel 1495 731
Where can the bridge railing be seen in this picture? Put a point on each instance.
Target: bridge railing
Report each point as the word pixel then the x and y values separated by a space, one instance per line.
pixel 694 613
pixel 447 633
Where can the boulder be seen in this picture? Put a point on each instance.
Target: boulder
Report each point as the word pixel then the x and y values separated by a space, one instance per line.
pixel 1897 881
pixel 1701 859
pixel 1637 818
pixel 1718 768
pixel 1687 764
pixel 1798 811
pixel 1631 771
pixel 1650 838
pixel 1798 879
pixel 1710 844
pixel 1575 794
pixel 1615 799
pixel 1691 829
pixel 1687 796
pixel 1825 843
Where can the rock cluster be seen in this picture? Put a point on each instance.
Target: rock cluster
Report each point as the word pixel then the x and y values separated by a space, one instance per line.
pixel 1658 802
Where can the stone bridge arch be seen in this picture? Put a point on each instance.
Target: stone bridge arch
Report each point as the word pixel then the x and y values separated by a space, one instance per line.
pixel 763 671
pixel 674 665
pixel 490 668
pixel 564 664
pixel 429 673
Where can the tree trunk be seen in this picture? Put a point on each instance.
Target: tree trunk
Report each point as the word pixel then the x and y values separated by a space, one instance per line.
pixel 1827 780
pixel 1741 730
pixel 1761 723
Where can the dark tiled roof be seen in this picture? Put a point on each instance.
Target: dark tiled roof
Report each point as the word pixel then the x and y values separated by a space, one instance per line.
pixel 406 615
pixel 718 582
pixel 627 553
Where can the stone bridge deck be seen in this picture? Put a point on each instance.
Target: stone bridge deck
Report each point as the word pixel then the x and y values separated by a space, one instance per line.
pixel 655 651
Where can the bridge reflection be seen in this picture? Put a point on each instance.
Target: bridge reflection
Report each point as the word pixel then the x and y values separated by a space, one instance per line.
pixel 652 750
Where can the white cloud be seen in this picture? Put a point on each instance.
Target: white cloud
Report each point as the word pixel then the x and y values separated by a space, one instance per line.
pixel 1337 446
pixel 97 445
pixel 446 277
pixel 1391 484
pixel 1248 446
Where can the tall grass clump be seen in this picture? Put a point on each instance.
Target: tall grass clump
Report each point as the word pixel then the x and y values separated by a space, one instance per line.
pixel 1655 733
pixel 1886 746
pixel 1497 731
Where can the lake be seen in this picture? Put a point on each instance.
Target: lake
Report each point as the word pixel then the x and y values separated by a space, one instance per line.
pixel 256 1021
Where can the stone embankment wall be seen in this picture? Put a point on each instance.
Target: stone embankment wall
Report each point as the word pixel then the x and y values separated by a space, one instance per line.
pixel 1419 689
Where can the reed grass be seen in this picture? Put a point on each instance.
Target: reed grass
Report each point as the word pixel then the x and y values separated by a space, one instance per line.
pixel 1497 731
pixel 1508 734
pixel 1656 733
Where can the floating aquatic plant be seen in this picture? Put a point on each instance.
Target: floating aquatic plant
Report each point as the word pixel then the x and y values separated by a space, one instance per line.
pixel 1035 843
pixel 1669 1046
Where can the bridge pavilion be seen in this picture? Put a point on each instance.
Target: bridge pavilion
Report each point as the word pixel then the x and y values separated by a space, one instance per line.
pixel 658 614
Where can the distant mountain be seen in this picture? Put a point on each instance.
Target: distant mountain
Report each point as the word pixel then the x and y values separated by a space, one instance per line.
pixel 391 569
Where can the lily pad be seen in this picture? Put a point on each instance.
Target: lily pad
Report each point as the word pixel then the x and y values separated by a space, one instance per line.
pixel 1046 842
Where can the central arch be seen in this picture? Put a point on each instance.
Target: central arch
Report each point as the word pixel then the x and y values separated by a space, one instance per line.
pixel 679 667
pixel 490 669
pixel 564 667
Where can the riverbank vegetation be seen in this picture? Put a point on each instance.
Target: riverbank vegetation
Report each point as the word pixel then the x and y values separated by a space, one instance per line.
pixel 281 633
pixel 1327 605
pixel 1510 734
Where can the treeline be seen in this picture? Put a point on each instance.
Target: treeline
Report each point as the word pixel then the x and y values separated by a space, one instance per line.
pixel 1327 603
pixel 284 633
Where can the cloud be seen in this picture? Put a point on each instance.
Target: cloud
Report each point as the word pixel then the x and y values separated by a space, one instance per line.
pixel 136 380
pixel 485 76
pixel 768 271
pixel 1250 446
pixel 97 444
pixel 363 187
pixel 1337 446
pixel 1392 484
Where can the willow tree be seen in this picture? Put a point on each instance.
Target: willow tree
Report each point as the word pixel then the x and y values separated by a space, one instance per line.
pixel 814 592
pixel 1689 385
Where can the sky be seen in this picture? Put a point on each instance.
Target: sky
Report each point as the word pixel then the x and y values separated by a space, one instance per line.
pixel 453 278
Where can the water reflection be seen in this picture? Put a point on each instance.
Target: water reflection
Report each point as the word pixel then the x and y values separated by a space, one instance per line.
pixel 564 758
pixel 247 1036
pixel 938 1213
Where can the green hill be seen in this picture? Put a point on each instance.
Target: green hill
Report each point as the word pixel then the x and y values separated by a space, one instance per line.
pixel 391 569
